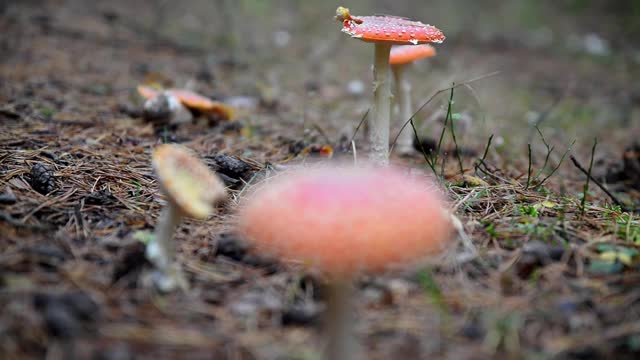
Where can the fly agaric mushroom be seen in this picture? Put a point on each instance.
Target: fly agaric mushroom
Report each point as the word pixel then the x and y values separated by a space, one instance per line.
pixel 400 57
pixel 384 31
pixel 166 108
pixel 341 221
pixel 191 100
pixel 192 190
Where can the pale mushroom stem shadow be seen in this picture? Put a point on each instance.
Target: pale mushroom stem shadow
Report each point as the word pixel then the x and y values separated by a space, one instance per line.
pixel 341 344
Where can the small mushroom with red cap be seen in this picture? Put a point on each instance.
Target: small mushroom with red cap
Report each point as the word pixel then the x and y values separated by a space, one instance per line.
pixel 191 189
pixel 344 220
pixel 384 31
pixel 401 56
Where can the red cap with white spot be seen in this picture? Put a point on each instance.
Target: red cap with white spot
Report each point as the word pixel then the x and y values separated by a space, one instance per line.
pixel 389 29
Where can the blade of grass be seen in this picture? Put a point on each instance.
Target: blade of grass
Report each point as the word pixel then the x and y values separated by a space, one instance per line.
pixel 437 153
pixel 529 169
pixel 557 167
pixel 585 189
pixel 546 159
pixel 422 150
pixel 364 117
pixel 601 186
pixel 455 143
pixel 484 155
pixel 446 120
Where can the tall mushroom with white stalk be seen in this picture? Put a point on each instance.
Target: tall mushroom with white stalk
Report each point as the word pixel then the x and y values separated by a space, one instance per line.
pixel 401 57
pixel 384 31
pixel 191 189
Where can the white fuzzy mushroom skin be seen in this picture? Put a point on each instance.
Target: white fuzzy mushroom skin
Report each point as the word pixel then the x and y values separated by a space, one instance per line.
pixel 161 250
pixel 166 108
pixel 380 117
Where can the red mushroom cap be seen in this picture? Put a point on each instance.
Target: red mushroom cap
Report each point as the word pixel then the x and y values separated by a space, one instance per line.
pixel 343 220
pixel 405 54
pixel 392 30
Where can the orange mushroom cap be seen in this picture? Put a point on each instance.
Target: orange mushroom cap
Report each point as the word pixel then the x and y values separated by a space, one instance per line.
pixel 343 220
pixel 390 29
pixel 201 103
pixel 147 92
pixel 405 54
pixel 192 100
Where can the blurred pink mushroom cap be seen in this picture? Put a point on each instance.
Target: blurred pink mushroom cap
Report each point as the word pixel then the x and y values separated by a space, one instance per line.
pixel 342 220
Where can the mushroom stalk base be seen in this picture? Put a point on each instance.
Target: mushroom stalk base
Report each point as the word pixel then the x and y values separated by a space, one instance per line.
pixel 161 251
pixel 379 121
pixel 341 345
pixel 404 144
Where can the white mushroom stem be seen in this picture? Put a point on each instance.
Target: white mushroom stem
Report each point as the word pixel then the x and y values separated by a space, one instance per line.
pixel 404 144
pixel 161 251
pixel 379 120
pixel 341 344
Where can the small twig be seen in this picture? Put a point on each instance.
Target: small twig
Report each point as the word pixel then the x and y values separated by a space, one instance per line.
pixel 546 159
pixel 364 117
pixel 586 184
pixel 422 149
pixel 529 169
pixel 484 155
pixel 446 120
pixel 455 142
pixel 444 130
pixel 557 167
pixel 485 169
pixel 598 183
pixel 544 141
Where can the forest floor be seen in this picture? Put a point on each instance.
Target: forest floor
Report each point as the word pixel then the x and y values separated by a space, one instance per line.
pixel 554 277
